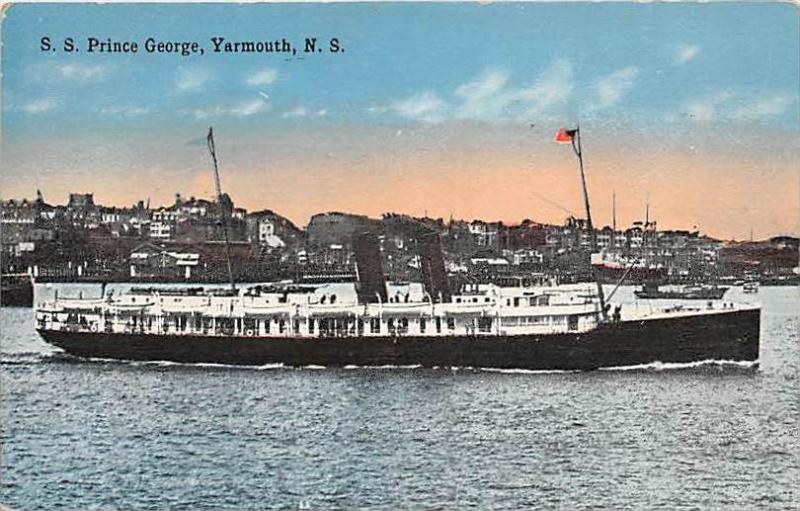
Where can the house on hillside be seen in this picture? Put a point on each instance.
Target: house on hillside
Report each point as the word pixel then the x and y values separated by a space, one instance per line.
pixel 150 260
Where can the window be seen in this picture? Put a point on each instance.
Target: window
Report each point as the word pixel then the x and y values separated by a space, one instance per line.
pixel 516 302
pixel 282 326
pixel 485 325
pixel 403 327
pixel 438 325
pixel 510 321
pixel 451 323
pixel 422 325
pixel 572 322
pixel 375 325
pixel 310 325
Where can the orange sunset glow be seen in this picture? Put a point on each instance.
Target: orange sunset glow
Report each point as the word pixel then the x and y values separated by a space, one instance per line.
pixel 503 174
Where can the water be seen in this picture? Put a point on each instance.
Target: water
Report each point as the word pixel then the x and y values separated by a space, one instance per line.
pixel 115 435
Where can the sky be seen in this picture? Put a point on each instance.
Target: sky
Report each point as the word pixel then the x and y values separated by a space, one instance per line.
pixel 439 109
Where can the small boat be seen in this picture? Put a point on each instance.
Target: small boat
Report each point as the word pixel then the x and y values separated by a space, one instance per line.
pixel 652 290
pixel 750 287
pixel 16 290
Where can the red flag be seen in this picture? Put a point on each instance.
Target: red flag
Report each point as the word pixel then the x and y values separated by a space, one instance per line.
pixel 565 136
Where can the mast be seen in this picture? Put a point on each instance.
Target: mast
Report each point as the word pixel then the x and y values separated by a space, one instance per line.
pixel 578 150
pixel 614 210
pixel 576 146
pixel 646 232
pixel 223 214
pixel 614 221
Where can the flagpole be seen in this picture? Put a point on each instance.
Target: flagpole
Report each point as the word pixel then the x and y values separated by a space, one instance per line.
pixel 213 152
pixel 593 237
pixel 579 153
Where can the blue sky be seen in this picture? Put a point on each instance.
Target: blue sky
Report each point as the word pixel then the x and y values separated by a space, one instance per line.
pixel 410 62
pixel 714 78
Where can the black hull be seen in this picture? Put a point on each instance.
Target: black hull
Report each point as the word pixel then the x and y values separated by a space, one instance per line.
pixel 636 276
pixel 732 335
pixel 17 295
pixel 702 295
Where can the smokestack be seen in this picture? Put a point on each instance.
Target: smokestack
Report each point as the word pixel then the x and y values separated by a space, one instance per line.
pixel 434 274
pixel 371 281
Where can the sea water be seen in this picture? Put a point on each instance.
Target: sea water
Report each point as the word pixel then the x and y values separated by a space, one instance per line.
pixel 116 435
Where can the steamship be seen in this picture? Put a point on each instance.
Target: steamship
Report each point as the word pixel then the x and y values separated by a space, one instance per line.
pixel 372 322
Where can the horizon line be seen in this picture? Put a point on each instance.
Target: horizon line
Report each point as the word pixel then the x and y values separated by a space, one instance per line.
pixel 508 223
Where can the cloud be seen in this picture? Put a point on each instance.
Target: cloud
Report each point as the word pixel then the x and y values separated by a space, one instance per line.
pixel 205 113
pixel 484 97
pixel 298 111
pixel 612 87
pixel 737 106
pixel 125 111
pixel 83 72
pixel 707 108
pixel 70 72
pixel 263 77
pixel 490 97
pixel 303 111
pixel 425 107
pixel 762 108
pixel 40 106
pixel 249 108
pixel 243 109
pixel 191 79
pixel 552 88
pixel 686 53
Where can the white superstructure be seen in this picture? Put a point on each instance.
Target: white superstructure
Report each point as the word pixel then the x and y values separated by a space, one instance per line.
pixel 330 310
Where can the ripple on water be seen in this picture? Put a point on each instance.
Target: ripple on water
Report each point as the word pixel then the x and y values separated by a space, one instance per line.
pixel 154 435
